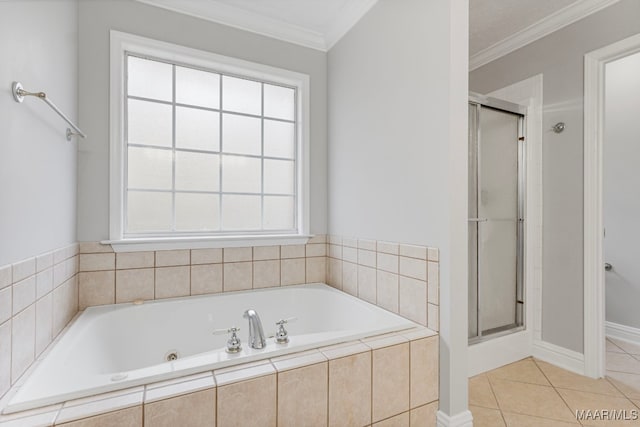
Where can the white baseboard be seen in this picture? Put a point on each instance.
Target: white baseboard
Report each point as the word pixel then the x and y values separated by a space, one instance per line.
pixel 498 352
pixel 559 356
pixel 463 419
pixel 622 332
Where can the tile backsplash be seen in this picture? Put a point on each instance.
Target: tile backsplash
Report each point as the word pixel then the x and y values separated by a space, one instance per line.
pixel 400 278
pixel 404 279
pixel 38 297
pixel 107 277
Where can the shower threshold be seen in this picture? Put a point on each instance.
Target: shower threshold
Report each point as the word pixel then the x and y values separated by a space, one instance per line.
pixel 496 332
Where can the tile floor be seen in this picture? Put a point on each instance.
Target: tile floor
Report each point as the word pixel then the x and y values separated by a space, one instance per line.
pixel 537 394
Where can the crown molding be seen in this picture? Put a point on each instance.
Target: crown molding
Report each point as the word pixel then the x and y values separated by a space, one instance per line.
pixel 349 16
pixel 560 19
pixel 244 20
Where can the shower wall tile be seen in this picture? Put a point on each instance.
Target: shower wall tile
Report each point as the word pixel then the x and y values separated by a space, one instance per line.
pixel 316 269
pixel 5 357
pixel 172 258
pixel 293 271
pixel 24 294
pixel 5 304
pixel 38 297
pixel 96 288
pixel 237 254
pixel 406 279
pixel 266 274
pixel 206 279
pixel 44 282
pixel 265 253
pixel 23 269
pixel 125 260
pixel 23 339
pixel 413 299
pixel 44 323
pixel 137 284
pixel 206 256
pixel 5 276
pixel 237 276
pixel 172 282
pixel 97 262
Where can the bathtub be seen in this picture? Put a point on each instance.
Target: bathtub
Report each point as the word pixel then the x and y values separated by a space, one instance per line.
pixel 123 345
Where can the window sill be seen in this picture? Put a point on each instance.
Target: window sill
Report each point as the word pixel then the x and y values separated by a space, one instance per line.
pixel 170 243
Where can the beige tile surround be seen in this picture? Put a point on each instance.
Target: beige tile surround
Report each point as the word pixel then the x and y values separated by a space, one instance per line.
pixel 404 279
pixel 350 384
pixel 107 277
pixel 38 297
pixel 400 278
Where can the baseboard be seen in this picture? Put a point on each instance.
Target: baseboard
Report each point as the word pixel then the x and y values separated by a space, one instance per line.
pixel 559 356
pixel 494 353
pixel 463 419
pixel 622 332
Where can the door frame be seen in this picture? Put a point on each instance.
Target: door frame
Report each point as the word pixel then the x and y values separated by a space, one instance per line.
pixel 594 291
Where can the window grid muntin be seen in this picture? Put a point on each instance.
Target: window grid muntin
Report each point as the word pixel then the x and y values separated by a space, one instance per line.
pixel 295 196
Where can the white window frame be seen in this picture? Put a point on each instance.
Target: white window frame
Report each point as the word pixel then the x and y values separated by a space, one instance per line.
pixel 124 43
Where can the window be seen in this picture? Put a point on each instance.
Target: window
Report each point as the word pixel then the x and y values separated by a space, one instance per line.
pixel 207 146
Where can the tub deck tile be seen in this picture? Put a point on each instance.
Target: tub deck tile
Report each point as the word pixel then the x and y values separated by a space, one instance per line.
pixel 178 389
pixel 72 411
pixel 243 372
pixel 343 350
pixel 298 360
pixel 383 341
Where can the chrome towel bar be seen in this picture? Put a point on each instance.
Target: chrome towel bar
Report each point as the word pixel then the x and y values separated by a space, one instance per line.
pixel 19 93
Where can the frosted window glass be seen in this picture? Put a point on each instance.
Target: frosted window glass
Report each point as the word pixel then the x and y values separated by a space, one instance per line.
pixel 195 87
pixel 279 139
pixel 241 134
pixel 197 171
pixel 149 168
pixel 148 211
pixel 149 123
pixel 241 174
pixel 149 79
pixel 278 176
pixel 279 102
pixel 197 212
pixel 242 96
pixel 241 212
pixel 278 213
pixel 197 129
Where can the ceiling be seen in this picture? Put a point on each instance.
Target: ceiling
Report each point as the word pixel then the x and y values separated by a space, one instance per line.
pixel 497 27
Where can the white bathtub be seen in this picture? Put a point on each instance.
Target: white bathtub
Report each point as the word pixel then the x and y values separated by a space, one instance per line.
pixel 118 346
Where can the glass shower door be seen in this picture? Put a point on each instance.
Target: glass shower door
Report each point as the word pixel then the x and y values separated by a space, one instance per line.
pixel 495 225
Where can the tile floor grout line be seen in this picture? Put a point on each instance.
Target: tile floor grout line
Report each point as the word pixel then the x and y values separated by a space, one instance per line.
pixel 556 390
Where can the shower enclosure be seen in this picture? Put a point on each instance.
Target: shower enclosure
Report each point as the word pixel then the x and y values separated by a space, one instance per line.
pixel 496 217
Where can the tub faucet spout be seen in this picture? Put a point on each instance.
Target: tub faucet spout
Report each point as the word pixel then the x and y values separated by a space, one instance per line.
pixel 256 334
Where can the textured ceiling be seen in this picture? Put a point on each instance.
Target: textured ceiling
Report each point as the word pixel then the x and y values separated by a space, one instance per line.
pixel 491 21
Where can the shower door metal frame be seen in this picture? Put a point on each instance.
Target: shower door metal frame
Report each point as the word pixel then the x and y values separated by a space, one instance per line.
pixel 480 102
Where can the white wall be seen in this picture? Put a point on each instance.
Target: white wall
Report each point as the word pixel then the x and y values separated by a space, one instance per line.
pixel 621 190
pixel 97 17
pixel 398 149
pixel 38 47
pixel 559 57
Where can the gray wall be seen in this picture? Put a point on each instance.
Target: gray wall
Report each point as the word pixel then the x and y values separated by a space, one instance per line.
pixel 98 17
pixel 621 190
pixel 37 164
pixel 397 159
pixel 559 56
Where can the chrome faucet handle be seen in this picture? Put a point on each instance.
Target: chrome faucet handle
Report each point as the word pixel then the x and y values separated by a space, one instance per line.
pixel 234 345
pixel 282 336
